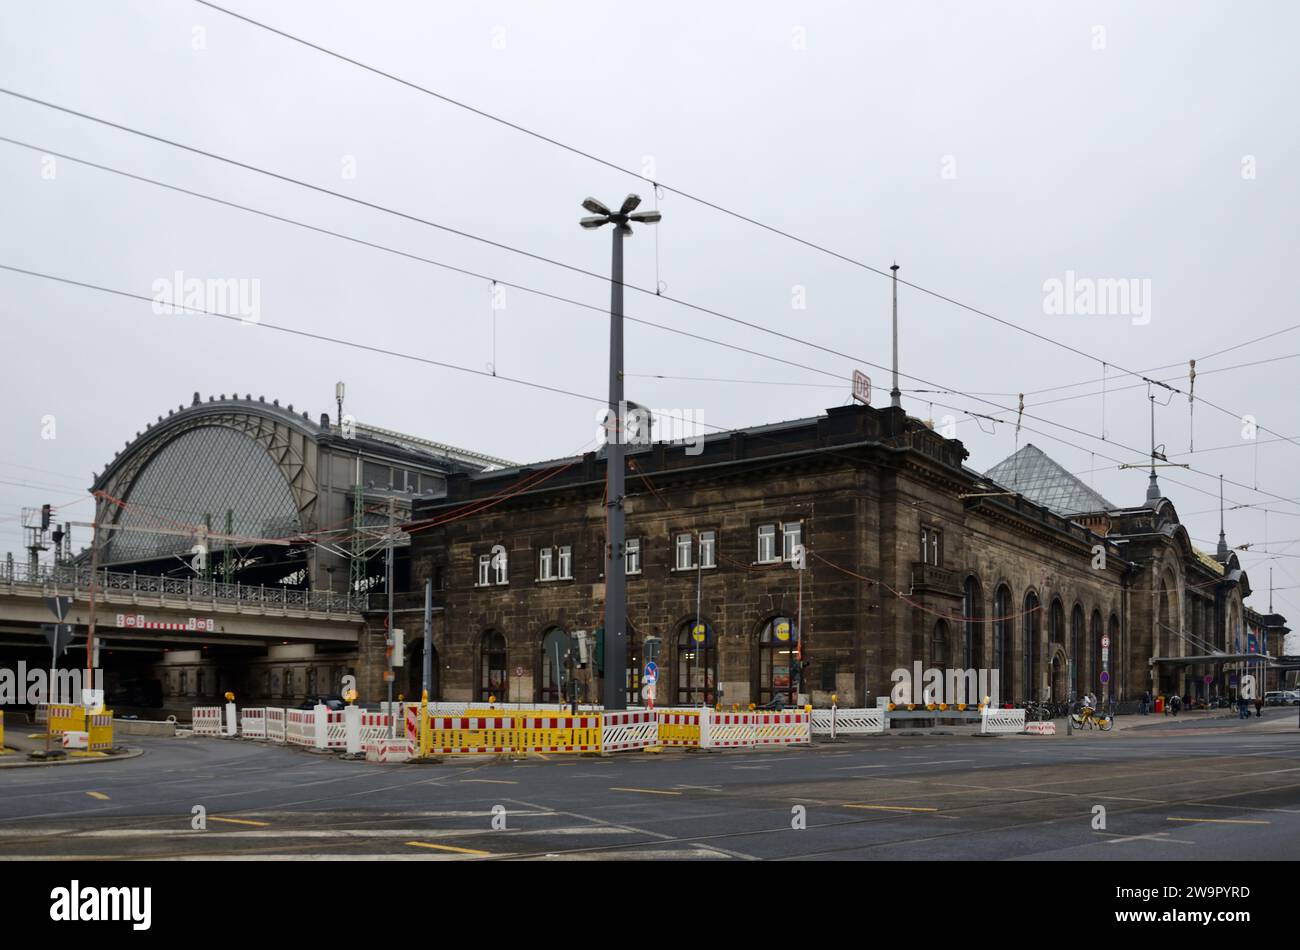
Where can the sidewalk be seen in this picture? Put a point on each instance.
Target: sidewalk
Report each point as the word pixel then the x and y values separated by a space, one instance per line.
pixel 22 738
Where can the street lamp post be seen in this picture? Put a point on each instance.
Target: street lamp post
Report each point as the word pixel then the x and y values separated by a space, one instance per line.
pixel 615 566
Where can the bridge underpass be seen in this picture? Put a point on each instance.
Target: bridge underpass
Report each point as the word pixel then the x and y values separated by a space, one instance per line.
pixel 167 645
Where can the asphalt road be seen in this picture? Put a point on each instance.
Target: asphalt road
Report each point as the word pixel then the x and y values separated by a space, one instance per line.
pixel 1171 790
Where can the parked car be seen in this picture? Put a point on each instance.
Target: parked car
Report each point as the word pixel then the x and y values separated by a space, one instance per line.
pixel 333 702
pixel 1279 697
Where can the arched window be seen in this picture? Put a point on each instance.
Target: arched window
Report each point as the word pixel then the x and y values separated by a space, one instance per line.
pixel 1076 645
pixel 555 644
pixel 1002 640
pixel 697 663
pixel 1033 627
pixel 972 608
pixel 493 673
pixel 777 675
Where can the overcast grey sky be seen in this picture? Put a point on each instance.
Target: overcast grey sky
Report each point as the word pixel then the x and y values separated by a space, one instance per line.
pixel 990 148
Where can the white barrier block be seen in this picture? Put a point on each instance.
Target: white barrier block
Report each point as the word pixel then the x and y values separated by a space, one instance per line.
pixel 995 722
pixel 352 729
pixel 231 725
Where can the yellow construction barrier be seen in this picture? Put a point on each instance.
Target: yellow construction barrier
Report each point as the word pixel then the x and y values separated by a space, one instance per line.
pixel 100 729
pixel 64 717
pixel 2 732
pixel 677 728
pixel 481 731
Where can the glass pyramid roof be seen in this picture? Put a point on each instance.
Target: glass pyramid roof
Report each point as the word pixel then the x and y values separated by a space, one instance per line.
pixel 1033 474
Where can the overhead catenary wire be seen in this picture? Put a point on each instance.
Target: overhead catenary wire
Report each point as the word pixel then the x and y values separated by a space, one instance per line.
pixel 814 245
pixel 579 270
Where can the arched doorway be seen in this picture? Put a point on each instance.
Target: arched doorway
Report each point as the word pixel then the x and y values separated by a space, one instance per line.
pixel 494 673
pixel 696 663
pixel 778 641
pixel 555 646
pixel 1060 680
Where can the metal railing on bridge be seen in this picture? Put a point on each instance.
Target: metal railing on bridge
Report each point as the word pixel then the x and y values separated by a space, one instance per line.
pixel 166 590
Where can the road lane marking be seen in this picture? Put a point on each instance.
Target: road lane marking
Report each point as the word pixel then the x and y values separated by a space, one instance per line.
pixel 1160 836
pixel 850 768
pixel 890 808
pixel 1224 821
pixel 645 791
pixel 240 821
pixel 448 847
pixel 100 795
pixel 489 781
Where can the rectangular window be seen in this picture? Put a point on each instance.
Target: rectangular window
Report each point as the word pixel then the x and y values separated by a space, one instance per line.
pixel 544 564
pixel 632 555
pixel 484 562
pixel 930 545
pixel 566 562
pixel 684 561
pixel 503 569
pixel 766 543
pixel 708 549
pixel 791 535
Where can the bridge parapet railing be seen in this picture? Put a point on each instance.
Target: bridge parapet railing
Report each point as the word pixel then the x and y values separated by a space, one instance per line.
pixel 76 580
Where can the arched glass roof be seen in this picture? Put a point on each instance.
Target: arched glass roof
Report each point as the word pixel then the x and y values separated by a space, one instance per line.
pixel 198 476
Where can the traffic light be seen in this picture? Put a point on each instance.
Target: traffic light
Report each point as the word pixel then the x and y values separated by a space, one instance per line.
pixel 45 517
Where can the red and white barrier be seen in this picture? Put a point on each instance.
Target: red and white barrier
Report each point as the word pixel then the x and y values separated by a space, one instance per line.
pixel 252 723
pixel 623 731
pixel 472 734
pixel 726 730
pixel 1040 728
pixel 275 724
pixel 399 749
pixel 782 728
pixel 206 720
pixel 300 727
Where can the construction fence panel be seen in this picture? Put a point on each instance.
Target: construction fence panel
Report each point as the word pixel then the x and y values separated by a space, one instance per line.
pixel 300 727
pixel 252 722
pixel 625 731
pixel 727 730
pixel 275 724
pixel 782 728
pixel 995 722
pixel 557 733
pixel 449 735
pixel 65 717
pixel 848 722
pixel 206 720
pixel 99 727
pixel 679 728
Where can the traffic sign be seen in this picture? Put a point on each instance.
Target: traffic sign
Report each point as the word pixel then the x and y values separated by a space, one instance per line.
pixel 1105 641
pixel 1105 677
pixel 650 678
pixel 1208 679
pixel 59 606
pixel 58 636
pixel 651 668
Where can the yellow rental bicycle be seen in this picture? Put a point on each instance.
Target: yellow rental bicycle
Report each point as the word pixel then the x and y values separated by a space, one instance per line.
pixel 1087 718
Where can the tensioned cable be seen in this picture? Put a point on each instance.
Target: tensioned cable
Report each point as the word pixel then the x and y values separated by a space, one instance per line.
pixel 579 270
pixel 483 113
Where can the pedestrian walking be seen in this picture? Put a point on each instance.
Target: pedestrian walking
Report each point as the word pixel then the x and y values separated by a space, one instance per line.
pixel 1146 701
pixel 1259 707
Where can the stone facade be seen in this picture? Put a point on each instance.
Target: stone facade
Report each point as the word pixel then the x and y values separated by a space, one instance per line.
pixel 1001 582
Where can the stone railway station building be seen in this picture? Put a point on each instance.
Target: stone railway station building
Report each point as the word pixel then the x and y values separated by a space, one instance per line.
pixel 911 556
